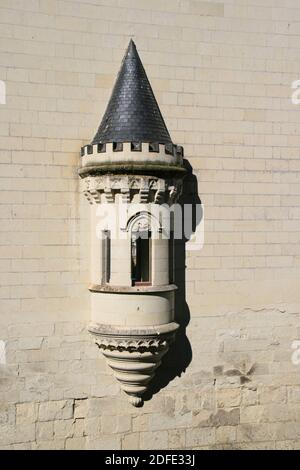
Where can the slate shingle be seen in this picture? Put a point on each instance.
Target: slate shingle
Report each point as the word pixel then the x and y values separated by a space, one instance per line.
pixel 132 113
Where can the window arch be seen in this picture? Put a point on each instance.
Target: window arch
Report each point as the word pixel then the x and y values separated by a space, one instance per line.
pixel 141 227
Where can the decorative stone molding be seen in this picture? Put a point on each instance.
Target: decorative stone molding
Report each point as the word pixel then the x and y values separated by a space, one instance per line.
pixel 130 344
pixel 143 222
pixel 134 354
pixel 132 289
pixel 148 188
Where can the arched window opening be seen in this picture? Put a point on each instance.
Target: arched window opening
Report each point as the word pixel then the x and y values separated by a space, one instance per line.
pixel 141 258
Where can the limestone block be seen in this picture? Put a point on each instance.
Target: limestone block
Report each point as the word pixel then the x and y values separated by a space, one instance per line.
pixel 63 428
pixel 21 330
pixel 15 435
pixel 76 443
pixel 287 445
pixel 272 394
pixel 26 413
pixel 252 414
pixel 131 441
pixel 200 437
pixel 154 440
pixel 104 443
pixel 30 343
pixel 51 410
pixel 228 397
pixel 92 426
pixel 294 394
pixel 249 397
pixel 109 424
pixel 163 421
pixel 7 414
pixel 140 423
pixel 79 428
pixel 80 410
pixel 123 424
pixel 55 444
pixel 23 446
pixel 176 438
pixel 44 431
pixel 226 434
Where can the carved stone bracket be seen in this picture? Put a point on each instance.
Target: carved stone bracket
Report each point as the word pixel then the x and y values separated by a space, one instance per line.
pixel 134 353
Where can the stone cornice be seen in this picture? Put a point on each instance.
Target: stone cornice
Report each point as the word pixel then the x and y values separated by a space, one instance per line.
pixel 144 189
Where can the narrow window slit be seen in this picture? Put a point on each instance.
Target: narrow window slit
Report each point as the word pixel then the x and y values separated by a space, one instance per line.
pixel 141 258
pixel 171 257
pixel 106 255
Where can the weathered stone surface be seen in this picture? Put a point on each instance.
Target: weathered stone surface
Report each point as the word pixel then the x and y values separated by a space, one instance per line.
pixel 287 445
pixel 53 410
pixel 198 437
pixel 80 410
pixel 44 431
pixel 75 443
pixel 104 443
pixel 154 440
pixel 131 441
pixel 56 444
pixel 79 428
pixel 92 426
pixel 64 428
pixel 123 424
pixel 17 435
pixel 293 395
pixel 140 423
pixel 7 414
pixel 176 438
pixel 252 414
pixel 273 394
pixel 222 417
pixel 160 421
pixel 228 397
pixel 226 434
pixel 30 343
pixel 249 397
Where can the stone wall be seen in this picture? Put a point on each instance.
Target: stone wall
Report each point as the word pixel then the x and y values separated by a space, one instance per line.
pixel 222 74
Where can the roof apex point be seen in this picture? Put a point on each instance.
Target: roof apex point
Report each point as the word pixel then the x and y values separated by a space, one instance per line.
pixel 131 49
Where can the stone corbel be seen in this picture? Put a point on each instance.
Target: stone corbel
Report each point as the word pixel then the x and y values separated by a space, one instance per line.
pixel 134 354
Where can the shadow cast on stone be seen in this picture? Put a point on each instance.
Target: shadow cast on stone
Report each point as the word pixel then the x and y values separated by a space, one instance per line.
pixel 179 356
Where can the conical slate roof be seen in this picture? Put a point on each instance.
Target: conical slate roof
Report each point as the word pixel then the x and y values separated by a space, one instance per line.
pixel 132 114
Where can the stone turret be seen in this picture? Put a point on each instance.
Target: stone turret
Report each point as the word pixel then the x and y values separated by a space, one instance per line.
pixel 131 174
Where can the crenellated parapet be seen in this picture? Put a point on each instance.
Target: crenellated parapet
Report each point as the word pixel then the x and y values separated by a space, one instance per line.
pixel 132 158
pixel 121 150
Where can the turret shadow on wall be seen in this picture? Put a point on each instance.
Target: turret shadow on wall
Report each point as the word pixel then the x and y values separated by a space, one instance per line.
pixel 179 356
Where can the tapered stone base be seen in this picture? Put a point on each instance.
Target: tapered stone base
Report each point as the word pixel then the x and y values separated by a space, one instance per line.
pixel 134 354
